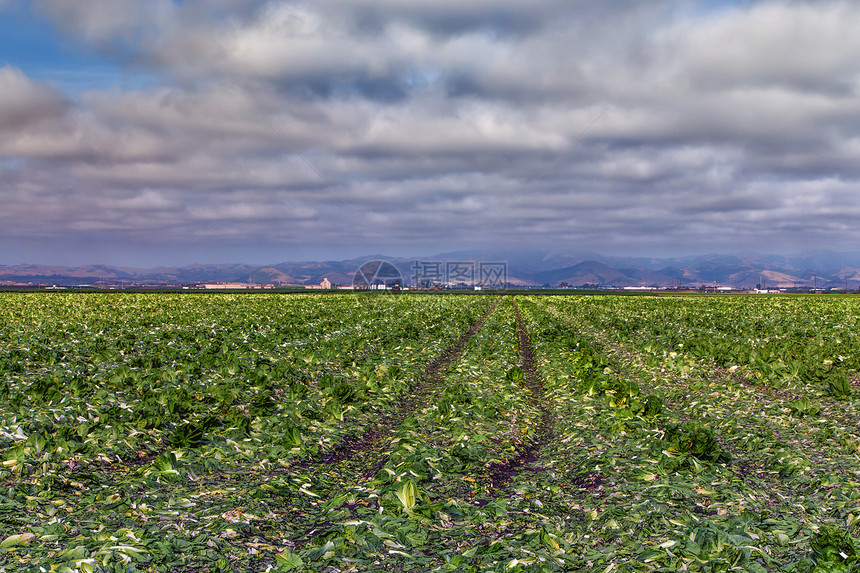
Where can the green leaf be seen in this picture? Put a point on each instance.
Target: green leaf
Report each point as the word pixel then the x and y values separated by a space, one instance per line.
pixel 407 494
pixel 17 540
pixel 288 561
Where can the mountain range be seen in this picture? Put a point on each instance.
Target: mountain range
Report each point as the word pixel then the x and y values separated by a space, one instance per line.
pixel 825 269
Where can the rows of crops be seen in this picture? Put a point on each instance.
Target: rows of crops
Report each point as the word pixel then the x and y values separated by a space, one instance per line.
pixel 420 433
pixel 766 475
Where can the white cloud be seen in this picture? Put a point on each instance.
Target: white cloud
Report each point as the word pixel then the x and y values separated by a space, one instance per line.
pixel 806 47
pixel 465 120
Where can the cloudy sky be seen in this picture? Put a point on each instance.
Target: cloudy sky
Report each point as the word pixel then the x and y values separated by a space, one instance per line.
pixel 147 132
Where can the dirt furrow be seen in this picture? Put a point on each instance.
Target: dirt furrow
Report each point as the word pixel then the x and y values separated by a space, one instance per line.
pixel 502 474
pixel 368 448
pixel 374 437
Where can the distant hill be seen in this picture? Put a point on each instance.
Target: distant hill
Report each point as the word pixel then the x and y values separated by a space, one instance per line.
pixel 528 268
pixel 596 273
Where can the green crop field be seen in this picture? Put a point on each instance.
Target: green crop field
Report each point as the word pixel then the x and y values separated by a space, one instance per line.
pixel 265 432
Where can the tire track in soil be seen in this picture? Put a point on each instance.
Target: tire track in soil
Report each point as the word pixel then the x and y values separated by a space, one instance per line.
pixel 374 438
pixel 501 474
pixel 372 442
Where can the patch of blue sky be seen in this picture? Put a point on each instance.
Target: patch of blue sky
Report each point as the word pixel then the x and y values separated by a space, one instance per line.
pixel 33 45
pixel 718 6
pixel 9 163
